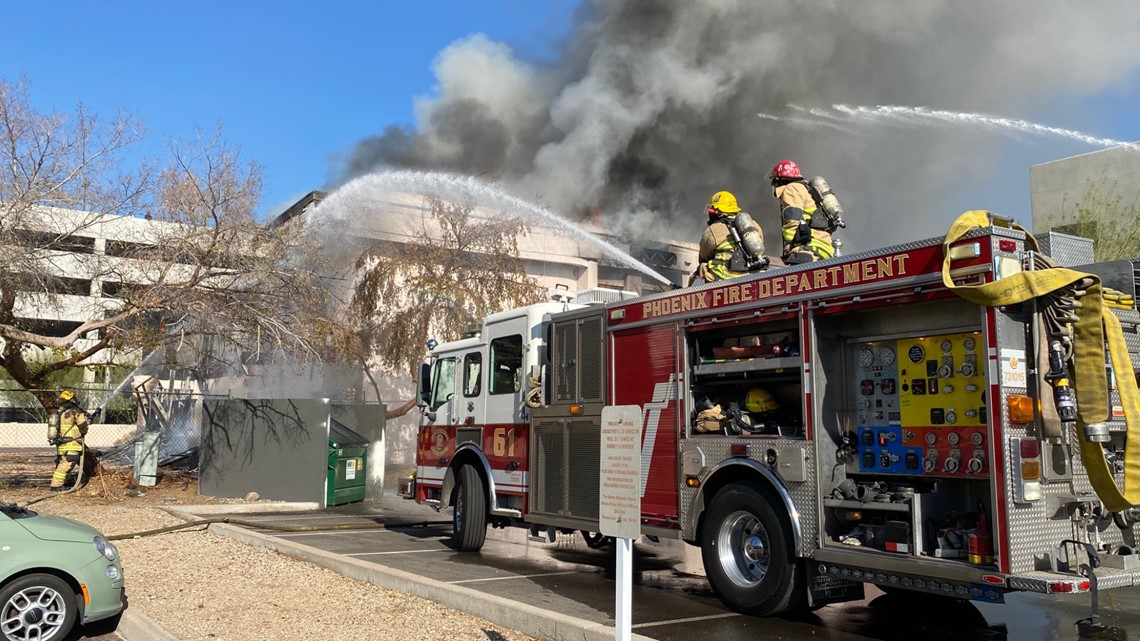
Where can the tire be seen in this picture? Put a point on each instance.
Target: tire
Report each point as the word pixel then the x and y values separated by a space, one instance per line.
pixel 747 552
pixel 596 540
pixel 470 513
pixel 37 606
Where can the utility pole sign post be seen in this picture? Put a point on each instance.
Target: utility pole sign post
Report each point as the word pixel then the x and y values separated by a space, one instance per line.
pixel 619 501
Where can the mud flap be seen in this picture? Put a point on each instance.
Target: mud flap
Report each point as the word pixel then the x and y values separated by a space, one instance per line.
pixel 828 588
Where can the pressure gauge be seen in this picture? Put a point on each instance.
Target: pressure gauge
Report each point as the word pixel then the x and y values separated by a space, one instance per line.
pixel 968 344
pixel 952 438
pixel 931 438
pixel 866 358
pixel 976 438
pixel 886 355
pixel 946 345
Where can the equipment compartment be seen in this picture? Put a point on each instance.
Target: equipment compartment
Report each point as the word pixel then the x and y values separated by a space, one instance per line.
pixel 747 380
pixel 904 454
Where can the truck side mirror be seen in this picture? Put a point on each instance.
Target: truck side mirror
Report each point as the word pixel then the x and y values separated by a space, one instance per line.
pixel 425 384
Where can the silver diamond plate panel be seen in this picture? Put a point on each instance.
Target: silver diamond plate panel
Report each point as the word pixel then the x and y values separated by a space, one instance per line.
pixel 1036 528
pixel 1066 249
pixel 1107 578
pixel 804 495
pixel 1130 326
pixel 1032 533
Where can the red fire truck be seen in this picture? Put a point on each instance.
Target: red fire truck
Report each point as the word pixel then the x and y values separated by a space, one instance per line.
pixel 814 428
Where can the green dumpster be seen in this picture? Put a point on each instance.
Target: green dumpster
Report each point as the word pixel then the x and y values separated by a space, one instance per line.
pixel 347 466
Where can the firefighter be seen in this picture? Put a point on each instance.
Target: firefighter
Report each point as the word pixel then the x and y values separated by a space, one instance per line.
pixel 802 242
pixel 73 424
pixel 721 256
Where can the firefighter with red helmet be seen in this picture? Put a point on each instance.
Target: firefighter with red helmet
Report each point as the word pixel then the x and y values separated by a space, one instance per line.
pixel 732 245
pixel 803 242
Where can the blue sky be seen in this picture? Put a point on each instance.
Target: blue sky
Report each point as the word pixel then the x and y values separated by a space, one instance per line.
pixel 297 84
pixel 293 83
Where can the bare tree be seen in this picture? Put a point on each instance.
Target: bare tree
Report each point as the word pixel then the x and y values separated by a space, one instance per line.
pixel 1103 214
pixel 458 268
pixel 200 264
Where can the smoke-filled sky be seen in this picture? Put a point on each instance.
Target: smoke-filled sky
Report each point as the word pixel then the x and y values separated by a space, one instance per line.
pixel 643 108
pixel 653 105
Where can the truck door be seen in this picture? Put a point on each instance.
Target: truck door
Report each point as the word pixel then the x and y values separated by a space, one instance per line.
pixel 470 406
pixel 504 376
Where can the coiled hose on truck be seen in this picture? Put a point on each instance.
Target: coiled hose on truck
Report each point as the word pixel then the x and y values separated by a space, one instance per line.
pixel 1075 313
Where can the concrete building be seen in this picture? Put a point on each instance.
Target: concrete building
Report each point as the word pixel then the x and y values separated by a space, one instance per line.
pixel 1057 187
pixel 553 258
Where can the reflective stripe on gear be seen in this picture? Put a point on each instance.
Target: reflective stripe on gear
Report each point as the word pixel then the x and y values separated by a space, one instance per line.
pixel 70 432
pixel 1094 323
pixel 62 469
pixel 817 246
pixel 719 263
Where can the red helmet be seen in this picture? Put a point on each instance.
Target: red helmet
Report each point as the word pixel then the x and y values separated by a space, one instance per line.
pixel 785 169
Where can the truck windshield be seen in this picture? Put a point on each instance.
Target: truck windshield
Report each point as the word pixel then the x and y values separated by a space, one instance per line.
pixel 443 382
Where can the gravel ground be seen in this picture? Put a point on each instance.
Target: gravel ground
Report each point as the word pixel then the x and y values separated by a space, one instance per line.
pixel 199 585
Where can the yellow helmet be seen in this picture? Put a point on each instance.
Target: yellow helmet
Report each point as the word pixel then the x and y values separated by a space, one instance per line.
pixel 760 400
pixel 66 395
pixel 724 202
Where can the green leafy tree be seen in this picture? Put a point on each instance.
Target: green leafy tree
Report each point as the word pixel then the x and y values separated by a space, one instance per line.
pixel 199 265
pixel 1106 216
pixel 458 268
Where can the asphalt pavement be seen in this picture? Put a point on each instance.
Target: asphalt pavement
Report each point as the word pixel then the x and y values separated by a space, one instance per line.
pixel 565 589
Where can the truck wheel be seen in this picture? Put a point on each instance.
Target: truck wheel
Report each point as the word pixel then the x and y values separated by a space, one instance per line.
pixel 38 606
pixel 596 540
pixel 470 515
pixel 747 554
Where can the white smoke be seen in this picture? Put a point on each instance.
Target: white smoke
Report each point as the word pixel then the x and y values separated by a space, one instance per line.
pixel 653 105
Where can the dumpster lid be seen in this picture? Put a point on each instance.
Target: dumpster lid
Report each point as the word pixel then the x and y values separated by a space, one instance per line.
pixel 342 436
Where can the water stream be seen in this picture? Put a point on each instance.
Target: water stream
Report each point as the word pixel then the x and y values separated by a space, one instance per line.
pixel 456 188
pixel 922 116
pixel 150 359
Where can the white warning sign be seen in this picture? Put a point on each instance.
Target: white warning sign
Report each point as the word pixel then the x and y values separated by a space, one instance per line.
pixel 1013 367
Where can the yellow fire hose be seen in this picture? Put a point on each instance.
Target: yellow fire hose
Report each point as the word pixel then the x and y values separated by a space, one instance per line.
pixel 1094 323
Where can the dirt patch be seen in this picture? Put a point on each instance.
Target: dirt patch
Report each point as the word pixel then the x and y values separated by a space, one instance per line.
pixel 199 585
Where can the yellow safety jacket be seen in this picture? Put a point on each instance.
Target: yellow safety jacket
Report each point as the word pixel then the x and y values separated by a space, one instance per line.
pixel 72 429
pixel 795 196
pixel 716 250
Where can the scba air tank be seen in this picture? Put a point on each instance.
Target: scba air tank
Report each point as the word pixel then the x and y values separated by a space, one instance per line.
pixel 750 236
pixel 827 200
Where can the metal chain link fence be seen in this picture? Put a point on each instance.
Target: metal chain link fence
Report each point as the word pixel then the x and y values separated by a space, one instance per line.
pixel 176 414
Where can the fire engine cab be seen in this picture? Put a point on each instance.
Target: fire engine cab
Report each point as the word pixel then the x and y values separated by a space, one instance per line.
pixel 864 419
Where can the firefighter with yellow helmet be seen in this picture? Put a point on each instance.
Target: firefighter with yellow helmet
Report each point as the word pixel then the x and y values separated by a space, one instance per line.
pixel 732 245
pixel 67 429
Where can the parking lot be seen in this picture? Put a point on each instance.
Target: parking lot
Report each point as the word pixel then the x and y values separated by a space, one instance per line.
pixel 565 589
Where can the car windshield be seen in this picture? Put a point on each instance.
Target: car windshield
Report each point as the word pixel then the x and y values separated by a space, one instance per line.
pixel 13 511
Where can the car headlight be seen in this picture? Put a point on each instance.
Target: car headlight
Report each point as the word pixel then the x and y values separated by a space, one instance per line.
pixel 105 548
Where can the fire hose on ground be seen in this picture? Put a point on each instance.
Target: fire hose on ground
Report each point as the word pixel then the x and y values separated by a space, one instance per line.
pixel 271 526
